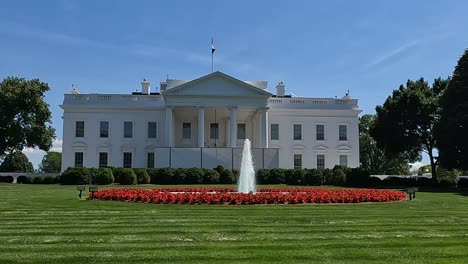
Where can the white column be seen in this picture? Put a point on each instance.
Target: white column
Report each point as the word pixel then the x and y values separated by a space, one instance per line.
pixel 201 126
pixel 264 130
pixel 169 126
pixel 232 127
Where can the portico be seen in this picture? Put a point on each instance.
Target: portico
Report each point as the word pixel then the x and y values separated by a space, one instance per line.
pixel 216 111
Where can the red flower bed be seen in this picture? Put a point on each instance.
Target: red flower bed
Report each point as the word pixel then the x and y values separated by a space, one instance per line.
pixel 263 196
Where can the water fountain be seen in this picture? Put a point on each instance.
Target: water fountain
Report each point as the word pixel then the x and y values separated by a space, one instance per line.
pixel 247 173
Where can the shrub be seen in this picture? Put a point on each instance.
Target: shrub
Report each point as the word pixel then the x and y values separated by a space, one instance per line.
pixel 339 177
pixel 7 179
pixel 312 176
pixel 153 173
pixel 49 180
pixel 142 176
pixel 227 177
pixel 210 176
pixel 165 176
pixel 423 182
pixel 462 183
pixel 25 180
pixel 178 176
pixel 277 176
pixel 262 176
pixel 357 177
pixel 38 180
pixel 294 177
pixel 194 176
pixel 103 176
pixel 327 176
pixel 117 172
pixel 75 176
pixel 128 177
pixel 448 180
pixel 374 182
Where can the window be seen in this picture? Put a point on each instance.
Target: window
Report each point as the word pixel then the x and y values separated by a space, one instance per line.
pixel 127 159
pixel 104 129
pixel 79 129
pixel 152 129
pixel 274 132
pixel 128 129
pixel 150 160
pixel 240 131
pixel 297 161
pixel 344 160
pixel 187 130
pixel 342 129
pixel 102 159
pixel 320 132
pixel 297 132
pixel 320 161
pixel 79 159
pixel 214 131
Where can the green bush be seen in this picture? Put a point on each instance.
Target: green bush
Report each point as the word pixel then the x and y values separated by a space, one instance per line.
pixel 227 177
pixel 295 177
pixel 374 182
pixel 142 176
pixel 179 176
pixel 38 180
pixel 165 176
pixel 75 176
pixel 194 176
pixel 103 176
pixel 49 180
pixel 462 183
pixel 357 177
pixel 128 177
pixel 24 180
pixel 339 177
pixel 277 176
pixel 7 179
pixel 327 176
pixel 117 172
pixel 312 177
pixel 262 176
pixel 210 176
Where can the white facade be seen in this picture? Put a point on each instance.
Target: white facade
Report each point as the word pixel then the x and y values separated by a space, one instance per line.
pixel 164 127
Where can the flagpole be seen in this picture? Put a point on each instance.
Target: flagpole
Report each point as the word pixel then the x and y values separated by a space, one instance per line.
pixel 212 55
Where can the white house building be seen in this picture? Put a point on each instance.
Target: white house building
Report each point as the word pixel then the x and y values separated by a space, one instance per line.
pixel 204 122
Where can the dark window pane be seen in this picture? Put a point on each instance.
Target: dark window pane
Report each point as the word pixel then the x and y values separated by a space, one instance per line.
pixel 152 129
pixel 240 131
pixel 79 129
pixel 128 129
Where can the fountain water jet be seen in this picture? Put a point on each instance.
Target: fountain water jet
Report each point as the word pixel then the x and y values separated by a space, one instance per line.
pixel 247 173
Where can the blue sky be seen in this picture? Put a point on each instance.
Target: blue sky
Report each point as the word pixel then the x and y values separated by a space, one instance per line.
pixel 318 48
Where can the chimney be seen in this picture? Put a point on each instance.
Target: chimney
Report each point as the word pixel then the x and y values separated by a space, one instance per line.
pixel 145 87
pixel 163 86
pixel 280 89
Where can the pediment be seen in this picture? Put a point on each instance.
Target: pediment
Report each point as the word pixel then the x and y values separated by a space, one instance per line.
pixel 343 148
pixel 321 148
pixel 79 145
pixel 104 145
pixel 298 147
pixel 216 84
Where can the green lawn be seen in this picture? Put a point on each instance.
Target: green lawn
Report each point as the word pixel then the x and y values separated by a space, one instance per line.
pixel 49 224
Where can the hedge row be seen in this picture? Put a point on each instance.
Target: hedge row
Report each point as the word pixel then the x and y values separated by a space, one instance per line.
pixel 38 179
pixel 7 179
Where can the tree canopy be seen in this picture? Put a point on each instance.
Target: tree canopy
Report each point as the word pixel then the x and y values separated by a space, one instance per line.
pixel 452 130
pixel 372 158
pixel 16 162
pixel 25 117
pixel 51 162
pixel 405 122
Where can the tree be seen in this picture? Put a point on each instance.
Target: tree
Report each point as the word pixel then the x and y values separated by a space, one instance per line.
pixel 51 162
pixel 452 130
pixel 405 123
pixel 374 159
pixel 16 162
pixel 25 117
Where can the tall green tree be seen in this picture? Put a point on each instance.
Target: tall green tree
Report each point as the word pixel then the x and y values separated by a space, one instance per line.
pixel 51 162
pixel 452 130
pixel 24 116
pixel 405 122
pixel 372 158
pixel 16 162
